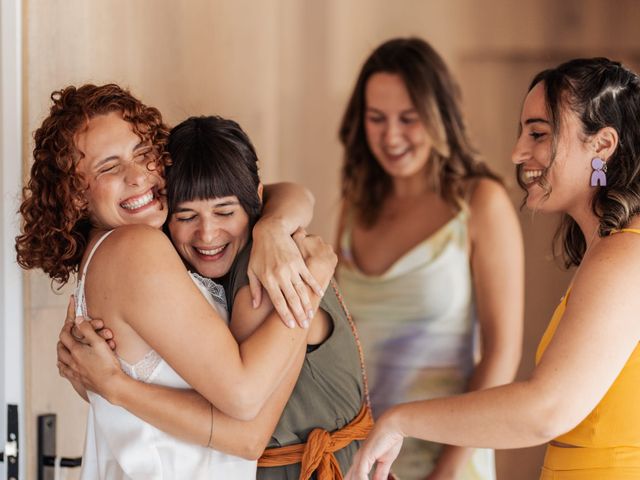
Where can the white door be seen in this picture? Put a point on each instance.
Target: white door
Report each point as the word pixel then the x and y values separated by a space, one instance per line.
pixel 12 439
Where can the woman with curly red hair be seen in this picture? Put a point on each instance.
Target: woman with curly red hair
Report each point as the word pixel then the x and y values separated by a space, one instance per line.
pixel 96 196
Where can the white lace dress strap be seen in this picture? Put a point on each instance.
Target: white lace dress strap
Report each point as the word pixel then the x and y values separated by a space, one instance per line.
pixel 215 290
pixel 81 302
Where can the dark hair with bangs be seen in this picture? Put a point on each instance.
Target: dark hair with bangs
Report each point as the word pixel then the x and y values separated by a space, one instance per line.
pixel 601 93
pixel 212 157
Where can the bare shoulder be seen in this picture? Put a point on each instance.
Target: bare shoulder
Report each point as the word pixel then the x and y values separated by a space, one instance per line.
pixel 604 300
pixel 487 196
pixel 614 262
pixel 607 281
pixel 136 248
pixel 141 239
pixel 490 207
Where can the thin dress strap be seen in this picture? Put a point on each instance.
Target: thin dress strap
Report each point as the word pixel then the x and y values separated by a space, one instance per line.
pixel 630 230
pixel 81 304
pixel 354 330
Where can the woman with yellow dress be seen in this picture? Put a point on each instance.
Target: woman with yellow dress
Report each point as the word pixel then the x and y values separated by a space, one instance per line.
pixel 578 153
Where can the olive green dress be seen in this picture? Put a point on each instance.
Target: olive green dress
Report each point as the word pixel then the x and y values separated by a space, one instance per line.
pixel 330 389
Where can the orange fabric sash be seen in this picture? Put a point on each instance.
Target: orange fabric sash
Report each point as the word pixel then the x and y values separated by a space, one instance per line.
pixel 318 453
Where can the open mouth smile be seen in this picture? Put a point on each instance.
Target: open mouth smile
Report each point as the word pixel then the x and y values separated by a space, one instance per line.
pixel 531 176
pixel 138 202
pixel 396 154
pixel 210 252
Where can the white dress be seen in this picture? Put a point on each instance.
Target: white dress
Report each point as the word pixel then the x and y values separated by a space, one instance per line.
pixel 121 446
pixel 416 323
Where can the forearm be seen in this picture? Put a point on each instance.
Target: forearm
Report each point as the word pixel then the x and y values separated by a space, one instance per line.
pixel 80 390
pixel 265 376
pixel 509 416
pixel 187 415
pixel 286 204
pixel 248 439
pixel 182 413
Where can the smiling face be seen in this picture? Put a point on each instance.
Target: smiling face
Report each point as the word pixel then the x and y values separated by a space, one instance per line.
pixel 568 174
pixel 395 133
pixel 209 234
pixel 122 185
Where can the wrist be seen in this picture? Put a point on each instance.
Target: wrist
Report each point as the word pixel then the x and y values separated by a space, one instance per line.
pixel 272 226
pixel 116 392
pixel 393 419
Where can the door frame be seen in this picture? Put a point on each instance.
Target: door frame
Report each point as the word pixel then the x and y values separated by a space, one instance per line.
pixel 12 338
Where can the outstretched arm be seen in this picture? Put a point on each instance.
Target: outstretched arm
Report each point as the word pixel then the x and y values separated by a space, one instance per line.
pixel 591 345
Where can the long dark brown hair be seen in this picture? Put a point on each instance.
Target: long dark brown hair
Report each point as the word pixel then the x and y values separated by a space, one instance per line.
pixel 436 97
pixel 55 219
pixel 602 93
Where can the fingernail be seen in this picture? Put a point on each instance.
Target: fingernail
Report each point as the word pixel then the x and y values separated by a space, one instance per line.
pixel 254 302
pixel 79 320
pixel 291 324
pixel 305 323
pixel 310 314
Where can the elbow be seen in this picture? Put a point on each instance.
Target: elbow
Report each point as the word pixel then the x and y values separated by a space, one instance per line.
pixel 243 405
pixel 253 448
pixel 310 197
pixel 554 417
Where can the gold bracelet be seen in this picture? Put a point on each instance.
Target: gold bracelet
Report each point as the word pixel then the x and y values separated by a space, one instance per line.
pixel 211 427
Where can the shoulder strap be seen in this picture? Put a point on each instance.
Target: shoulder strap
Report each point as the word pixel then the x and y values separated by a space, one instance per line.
pixel 623 230
pixel 354 330
pixel 93 250
pixel 81 304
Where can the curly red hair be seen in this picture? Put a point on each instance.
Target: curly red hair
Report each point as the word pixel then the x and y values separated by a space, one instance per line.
pixel 55 220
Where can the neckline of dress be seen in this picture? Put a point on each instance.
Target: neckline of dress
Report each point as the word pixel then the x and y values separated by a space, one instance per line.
pixel 389 269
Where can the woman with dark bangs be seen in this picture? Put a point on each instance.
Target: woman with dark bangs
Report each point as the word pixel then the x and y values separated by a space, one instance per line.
pixel 430 249
pixel 577 153
pixel 94 204
pixel 214 196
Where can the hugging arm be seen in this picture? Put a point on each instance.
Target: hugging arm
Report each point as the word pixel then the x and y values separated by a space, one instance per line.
pixel 191 421
pixel 182 413
pixel 152 295
pixel 276 263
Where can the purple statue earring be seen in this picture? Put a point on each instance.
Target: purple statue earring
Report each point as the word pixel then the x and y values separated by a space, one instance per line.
pixel 599 175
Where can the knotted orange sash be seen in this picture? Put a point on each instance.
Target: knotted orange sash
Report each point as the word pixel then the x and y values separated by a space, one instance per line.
pixel 317 455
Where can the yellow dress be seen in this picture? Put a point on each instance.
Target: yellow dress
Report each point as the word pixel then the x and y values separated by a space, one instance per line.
pixel 608 440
